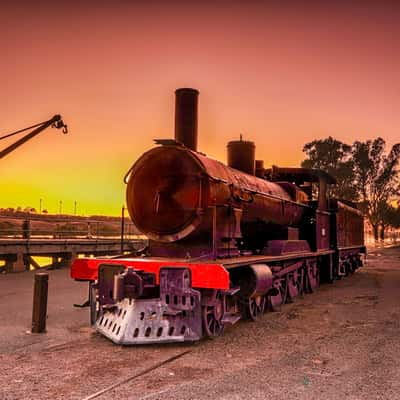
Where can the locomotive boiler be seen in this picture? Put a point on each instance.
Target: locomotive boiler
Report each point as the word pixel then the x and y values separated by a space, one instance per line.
pixel 174 194
pixel 225 241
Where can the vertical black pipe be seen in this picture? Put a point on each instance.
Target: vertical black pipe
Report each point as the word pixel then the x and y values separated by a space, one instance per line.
pixel 39 312
pixel 186 102
pixel 322 198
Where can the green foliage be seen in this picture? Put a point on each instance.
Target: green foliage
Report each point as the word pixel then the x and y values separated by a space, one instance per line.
pixel 334 157
pixel 364 172
pixel 390 215
pixel 377 180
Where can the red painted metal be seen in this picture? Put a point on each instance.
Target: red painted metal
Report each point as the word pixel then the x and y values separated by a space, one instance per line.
pixel 204 275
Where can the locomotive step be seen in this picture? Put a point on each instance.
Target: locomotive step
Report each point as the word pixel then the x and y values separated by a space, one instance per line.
pixel 230 319
pixel 231 291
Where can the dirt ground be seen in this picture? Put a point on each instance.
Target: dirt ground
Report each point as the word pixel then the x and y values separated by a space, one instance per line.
pixel 342 342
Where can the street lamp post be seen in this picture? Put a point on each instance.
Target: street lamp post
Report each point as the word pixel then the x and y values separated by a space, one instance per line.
pixel 122 229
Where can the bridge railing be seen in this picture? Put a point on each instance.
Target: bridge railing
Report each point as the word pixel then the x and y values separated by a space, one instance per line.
pixel 45 227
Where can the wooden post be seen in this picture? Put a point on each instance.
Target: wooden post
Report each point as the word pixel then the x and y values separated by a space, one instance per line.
pixel 39 313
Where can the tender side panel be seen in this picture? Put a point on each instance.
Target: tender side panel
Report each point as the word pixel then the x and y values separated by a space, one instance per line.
pixel 207 276
pixel 350 226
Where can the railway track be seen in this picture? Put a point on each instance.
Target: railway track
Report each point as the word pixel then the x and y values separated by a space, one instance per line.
pixel 137 375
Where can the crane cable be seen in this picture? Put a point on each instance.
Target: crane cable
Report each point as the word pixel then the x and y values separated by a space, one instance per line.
pixel 21 130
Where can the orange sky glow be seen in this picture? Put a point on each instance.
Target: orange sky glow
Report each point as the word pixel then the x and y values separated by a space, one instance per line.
pixel 279 72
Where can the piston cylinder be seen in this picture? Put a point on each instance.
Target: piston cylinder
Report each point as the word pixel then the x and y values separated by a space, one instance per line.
pixel 255 280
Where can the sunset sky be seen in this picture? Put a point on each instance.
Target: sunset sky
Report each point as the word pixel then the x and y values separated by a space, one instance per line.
pixel 279 72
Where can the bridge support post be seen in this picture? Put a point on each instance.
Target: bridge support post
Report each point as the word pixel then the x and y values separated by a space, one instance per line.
pixel 16 263
pixel 9 265
pixel 54 262
pixel 67 260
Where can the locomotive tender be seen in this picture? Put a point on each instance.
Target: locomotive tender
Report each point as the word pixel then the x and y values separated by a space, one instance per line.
pixel 225 241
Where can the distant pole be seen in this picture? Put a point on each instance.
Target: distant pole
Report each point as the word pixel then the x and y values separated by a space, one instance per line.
pixel 75 207
pixel 60 207
pixel 122 229
pixel 40 206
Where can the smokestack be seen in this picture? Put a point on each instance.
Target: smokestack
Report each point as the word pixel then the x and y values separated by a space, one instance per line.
pixel 186 100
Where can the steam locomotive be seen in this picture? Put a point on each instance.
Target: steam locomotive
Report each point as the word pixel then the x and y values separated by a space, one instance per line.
pixel 225 241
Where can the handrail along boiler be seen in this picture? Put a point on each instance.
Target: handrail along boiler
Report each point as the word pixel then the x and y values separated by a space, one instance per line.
pixel 225 241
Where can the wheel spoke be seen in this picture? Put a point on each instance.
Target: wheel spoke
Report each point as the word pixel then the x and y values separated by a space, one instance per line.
pixel 212 315
pixel 253 307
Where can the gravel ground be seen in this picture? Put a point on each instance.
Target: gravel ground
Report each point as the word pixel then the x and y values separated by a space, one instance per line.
pixel 341 342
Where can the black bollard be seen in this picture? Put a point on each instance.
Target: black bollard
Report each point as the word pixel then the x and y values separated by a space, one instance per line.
pixel 39 313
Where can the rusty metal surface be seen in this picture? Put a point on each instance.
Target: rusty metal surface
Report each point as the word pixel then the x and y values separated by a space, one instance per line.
pixel 171 188
pixel 349 226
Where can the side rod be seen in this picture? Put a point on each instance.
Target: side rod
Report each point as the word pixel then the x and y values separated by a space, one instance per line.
pixel 56 121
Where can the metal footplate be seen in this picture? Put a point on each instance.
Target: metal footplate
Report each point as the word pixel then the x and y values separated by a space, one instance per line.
pixel 174 317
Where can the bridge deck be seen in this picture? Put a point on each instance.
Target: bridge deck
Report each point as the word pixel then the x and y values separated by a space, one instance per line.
pixel 57 246
pixel 17 253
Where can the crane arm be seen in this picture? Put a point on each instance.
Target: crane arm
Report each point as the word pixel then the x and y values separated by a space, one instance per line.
pixel 55 122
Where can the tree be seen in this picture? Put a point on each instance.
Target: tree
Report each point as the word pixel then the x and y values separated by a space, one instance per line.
pixel 364 172
pixel 334 157
pixel 395 217
pixel 390 216
pixel 376 179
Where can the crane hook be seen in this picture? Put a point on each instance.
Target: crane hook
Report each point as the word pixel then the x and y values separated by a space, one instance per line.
pixel 60 124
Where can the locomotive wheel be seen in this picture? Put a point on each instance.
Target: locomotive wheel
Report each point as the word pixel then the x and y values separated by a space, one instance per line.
pixel 212 318
pixel 255 306
pixel 347 268
pixel 295 283
pixel 94 312
pixel 275 302
pixel 351 267
pixel 300 281
pixel 312 278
